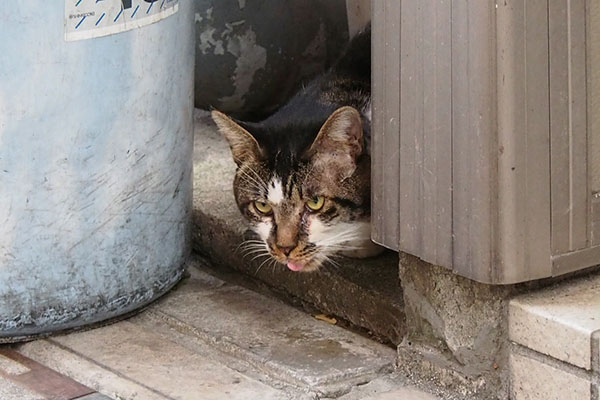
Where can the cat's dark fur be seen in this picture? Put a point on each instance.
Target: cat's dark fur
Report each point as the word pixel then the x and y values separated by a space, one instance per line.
pixel 303 176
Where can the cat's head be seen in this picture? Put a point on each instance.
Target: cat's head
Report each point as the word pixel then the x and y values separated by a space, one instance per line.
pixel 304 189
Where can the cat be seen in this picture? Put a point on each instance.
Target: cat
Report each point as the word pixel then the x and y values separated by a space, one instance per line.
pixel 303 173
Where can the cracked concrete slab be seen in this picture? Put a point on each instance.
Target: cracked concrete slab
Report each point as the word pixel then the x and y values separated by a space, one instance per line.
pixel 131 362
pixel 212 339
pixel 273 337
pixel 404 393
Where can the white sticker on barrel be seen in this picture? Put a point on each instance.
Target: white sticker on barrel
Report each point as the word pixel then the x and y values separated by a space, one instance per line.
pixel 85 19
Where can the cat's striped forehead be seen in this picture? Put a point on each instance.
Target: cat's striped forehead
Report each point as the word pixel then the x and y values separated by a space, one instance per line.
pixel 282 188
pixel 258 181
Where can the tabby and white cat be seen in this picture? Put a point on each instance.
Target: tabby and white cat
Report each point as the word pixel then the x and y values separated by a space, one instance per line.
pixel 303 174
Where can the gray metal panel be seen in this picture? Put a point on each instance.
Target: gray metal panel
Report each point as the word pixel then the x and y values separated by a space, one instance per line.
pixel 385 114
pixel 593 69
pixel 576 260
pixel 426 131
pixel 498 120
pixel 474 146
pixel 568 125
pixel 595 220
pixel 524 141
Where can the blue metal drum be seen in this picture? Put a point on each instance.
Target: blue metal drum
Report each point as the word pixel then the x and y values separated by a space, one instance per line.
pixel 96 135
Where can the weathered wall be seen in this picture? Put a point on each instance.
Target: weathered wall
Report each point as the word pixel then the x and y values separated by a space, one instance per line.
pixel 252 55
pixel 457 329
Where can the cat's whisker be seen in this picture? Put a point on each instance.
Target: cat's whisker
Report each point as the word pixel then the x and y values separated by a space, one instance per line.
pixel 250 193
pixel 336 255
pixel 260 179
pixel 253 244
pixel 273 267
pixel 339 240
pixel 343 241
pixel 261 264
pixel 244 171
pixel 339 245
pixel 249 242
pixel 342 236
pixel 342 247
pixel 252 249
pixel 326 260
pixel 252 190
pixel 246 190
pixel 274 264
pixel 250 246
pixel 256 181
pixel 254 186
pixel 259 256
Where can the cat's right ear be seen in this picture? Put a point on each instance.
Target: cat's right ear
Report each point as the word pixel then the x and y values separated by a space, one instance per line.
pixel 244 146
pixel 338 144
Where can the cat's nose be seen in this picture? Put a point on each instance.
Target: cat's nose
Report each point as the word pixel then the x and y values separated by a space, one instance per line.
pixel 286 249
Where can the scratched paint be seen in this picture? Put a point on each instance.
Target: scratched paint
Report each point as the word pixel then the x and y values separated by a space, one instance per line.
pixel 95 168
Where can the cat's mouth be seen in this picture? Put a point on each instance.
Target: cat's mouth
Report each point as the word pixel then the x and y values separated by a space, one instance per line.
pixel 295 266
pixel 298 265
pixel 296 260
pixel 301 264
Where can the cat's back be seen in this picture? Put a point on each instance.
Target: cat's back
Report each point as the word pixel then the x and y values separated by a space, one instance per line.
pixel 347 83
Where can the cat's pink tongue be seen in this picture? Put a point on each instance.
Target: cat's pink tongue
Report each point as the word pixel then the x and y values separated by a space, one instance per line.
pixel 294 267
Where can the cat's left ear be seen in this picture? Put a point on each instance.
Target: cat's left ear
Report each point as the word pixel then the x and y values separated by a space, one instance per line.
pixel 339 143
pixel 244 146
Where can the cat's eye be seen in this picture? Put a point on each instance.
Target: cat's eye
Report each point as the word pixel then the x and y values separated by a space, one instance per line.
pixel 316 203
pixel 263 208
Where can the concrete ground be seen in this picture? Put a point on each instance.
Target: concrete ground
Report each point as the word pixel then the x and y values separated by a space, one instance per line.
pixel 206 339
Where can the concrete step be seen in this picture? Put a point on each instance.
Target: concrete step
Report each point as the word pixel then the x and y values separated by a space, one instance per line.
pixel 281 341
pixel 128 360
pixel 555 334
pixel 209 339
pixel 364 292
pixel 396 387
